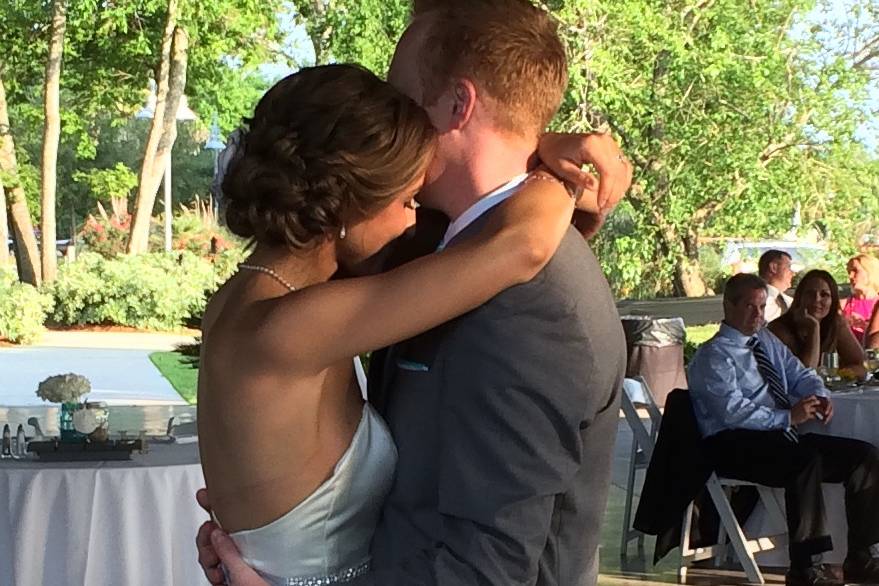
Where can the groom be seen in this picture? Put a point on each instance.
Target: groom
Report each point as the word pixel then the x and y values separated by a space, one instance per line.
pixel 504 418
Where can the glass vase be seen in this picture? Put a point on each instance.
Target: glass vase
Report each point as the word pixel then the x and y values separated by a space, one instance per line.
pixel 65 422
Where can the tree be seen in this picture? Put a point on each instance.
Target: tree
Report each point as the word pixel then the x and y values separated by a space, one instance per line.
pixel 227 36
pixel 4 227
pixel 51 138
pixel 723 113
pixel 164 123
pixel 25 242
pixel 363 32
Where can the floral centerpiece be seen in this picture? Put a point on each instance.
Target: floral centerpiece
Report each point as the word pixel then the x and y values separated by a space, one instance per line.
pixel 66 389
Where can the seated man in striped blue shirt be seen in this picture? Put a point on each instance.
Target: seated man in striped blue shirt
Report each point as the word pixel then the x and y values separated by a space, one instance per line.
pixel 749 394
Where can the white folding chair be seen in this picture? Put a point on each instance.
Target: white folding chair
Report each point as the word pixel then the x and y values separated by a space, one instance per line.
pixel 636 393
pixel 731 539
pixel 183 425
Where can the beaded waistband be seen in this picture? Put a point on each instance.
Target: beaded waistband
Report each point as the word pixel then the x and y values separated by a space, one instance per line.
pixel 340 577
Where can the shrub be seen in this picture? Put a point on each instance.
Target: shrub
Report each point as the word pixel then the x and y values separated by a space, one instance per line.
pixel 158 291
pixel 23 309
pixel 197 229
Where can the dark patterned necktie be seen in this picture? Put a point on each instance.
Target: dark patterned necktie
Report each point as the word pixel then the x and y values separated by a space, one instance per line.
pixel 782 303
pixel 771 378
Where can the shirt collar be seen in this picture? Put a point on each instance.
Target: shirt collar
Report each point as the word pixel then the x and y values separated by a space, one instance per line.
pixel 487 202
pixel 734 335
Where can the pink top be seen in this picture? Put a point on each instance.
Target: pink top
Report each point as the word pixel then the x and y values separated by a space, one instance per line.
pixel 857 313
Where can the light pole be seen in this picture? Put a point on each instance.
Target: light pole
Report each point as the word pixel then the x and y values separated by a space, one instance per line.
pixel 215 143
pixel 184 113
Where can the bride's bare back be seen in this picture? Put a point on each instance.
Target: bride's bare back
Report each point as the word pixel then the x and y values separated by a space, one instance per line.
pixel 269 436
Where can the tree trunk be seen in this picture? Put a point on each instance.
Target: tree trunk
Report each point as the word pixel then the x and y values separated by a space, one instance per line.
pixel 51 136
pixel 150 176
pixel 4 228
pixel 26 250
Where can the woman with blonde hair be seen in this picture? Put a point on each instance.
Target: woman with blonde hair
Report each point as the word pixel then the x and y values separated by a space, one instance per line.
pixel 863 275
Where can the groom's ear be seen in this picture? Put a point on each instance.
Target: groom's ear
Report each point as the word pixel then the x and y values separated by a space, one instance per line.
pixel 463 103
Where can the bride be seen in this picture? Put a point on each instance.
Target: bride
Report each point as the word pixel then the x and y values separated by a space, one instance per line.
pixel 296 464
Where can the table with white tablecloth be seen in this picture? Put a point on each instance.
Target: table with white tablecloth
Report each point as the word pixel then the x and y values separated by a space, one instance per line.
pixel 856 415
pixel 128 523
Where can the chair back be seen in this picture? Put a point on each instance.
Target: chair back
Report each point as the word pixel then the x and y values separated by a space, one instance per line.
pixel 182 425
pixel 636 394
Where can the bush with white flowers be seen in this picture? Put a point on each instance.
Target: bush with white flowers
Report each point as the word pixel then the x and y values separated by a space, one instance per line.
pixel 64 388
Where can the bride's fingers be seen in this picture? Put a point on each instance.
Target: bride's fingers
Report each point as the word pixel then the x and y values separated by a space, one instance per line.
pixel 239 573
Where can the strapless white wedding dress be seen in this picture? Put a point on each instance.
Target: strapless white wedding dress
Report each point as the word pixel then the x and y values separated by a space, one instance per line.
pixel 325 539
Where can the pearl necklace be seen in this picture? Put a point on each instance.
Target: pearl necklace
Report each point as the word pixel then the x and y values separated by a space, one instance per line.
pixel 269 272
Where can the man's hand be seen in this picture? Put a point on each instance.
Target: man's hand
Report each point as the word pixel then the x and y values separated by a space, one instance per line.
pixel 805 410
pixel 215 548
pixel 565 155
pixel 240 574
pixel 826 408
pixel 207 556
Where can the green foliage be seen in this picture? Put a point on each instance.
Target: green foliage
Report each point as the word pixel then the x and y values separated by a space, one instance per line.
pixel 107 234
pixel 23 309
pixel 354 31
pixel 729 117
pixel 104 184
pixel 155 291
pixel 110 54
pixel 195 228
pixel 696 336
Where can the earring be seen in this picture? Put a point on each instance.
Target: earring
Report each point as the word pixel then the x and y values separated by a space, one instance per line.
pixel 342 233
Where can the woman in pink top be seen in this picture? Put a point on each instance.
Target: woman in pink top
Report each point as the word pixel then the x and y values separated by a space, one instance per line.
pixel 863 275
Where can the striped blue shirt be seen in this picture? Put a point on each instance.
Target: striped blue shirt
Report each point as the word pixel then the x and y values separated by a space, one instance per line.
pixel 728 391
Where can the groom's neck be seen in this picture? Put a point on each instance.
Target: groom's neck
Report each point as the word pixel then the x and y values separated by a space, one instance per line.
pixel 485 167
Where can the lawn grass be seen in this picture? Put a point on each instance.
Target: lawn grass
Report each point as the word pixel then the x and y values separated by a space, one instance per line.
pixel 180 372
pixel 698 334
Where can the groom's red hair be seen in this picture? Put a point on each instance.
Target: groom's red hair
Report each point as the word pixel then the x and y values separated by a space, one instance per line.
pixel 510 49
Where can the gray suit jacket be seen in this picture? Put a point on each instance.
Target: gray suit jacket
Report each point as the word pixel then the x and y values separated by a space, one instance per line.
pixel 505 421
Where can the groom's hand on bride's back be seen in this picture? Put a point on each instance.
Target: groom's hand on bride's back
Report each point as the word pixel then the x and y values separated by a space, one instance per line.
pixel 215 547
pixel 207 556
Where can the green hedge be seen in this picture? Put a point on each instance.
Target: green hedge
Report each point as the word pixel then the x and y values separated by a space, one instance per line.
pixel 23 309
pixel 158 291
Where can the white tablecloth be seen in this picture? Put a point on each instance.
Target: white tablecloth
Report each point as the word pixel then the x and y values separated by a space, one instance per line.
pixel 102 523
pixel 856 415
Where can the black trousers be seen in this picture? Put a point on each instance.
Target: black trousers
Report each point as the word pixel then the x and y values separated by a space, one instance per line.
pixel 769 458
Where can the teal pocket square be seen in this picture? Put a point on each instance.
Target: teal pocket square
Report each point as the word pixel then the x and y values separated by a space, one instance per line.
pixel 412 366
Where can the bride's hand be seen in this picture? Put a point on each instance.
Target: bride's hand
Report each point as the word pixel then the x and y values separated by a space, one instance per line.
pixel 565 154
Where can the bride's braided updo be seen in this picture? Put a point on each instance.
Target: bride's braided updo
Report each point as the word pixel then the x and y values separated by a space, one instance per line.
pixel 326 147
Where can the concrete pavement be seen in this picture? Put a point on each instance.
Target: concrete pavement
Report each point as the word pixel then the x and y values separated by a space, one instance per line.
pixel 118 377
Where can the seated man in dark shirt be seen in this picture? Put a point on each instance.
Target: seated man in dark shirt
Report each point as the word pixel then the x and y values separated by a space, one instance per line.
pixel 749 394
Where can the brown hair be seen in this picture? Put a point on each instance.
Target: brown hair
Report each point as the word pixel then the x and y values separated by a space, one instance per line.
pixel 326 146
pixel 829 323
pixel 767 258
pixel 510 49
pixel 739 284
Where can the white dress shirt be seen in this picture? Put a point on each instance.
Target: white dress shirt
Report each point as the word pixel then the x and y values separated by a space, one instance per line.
pixel 473 213
pixel 774 309
pixel 728 391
